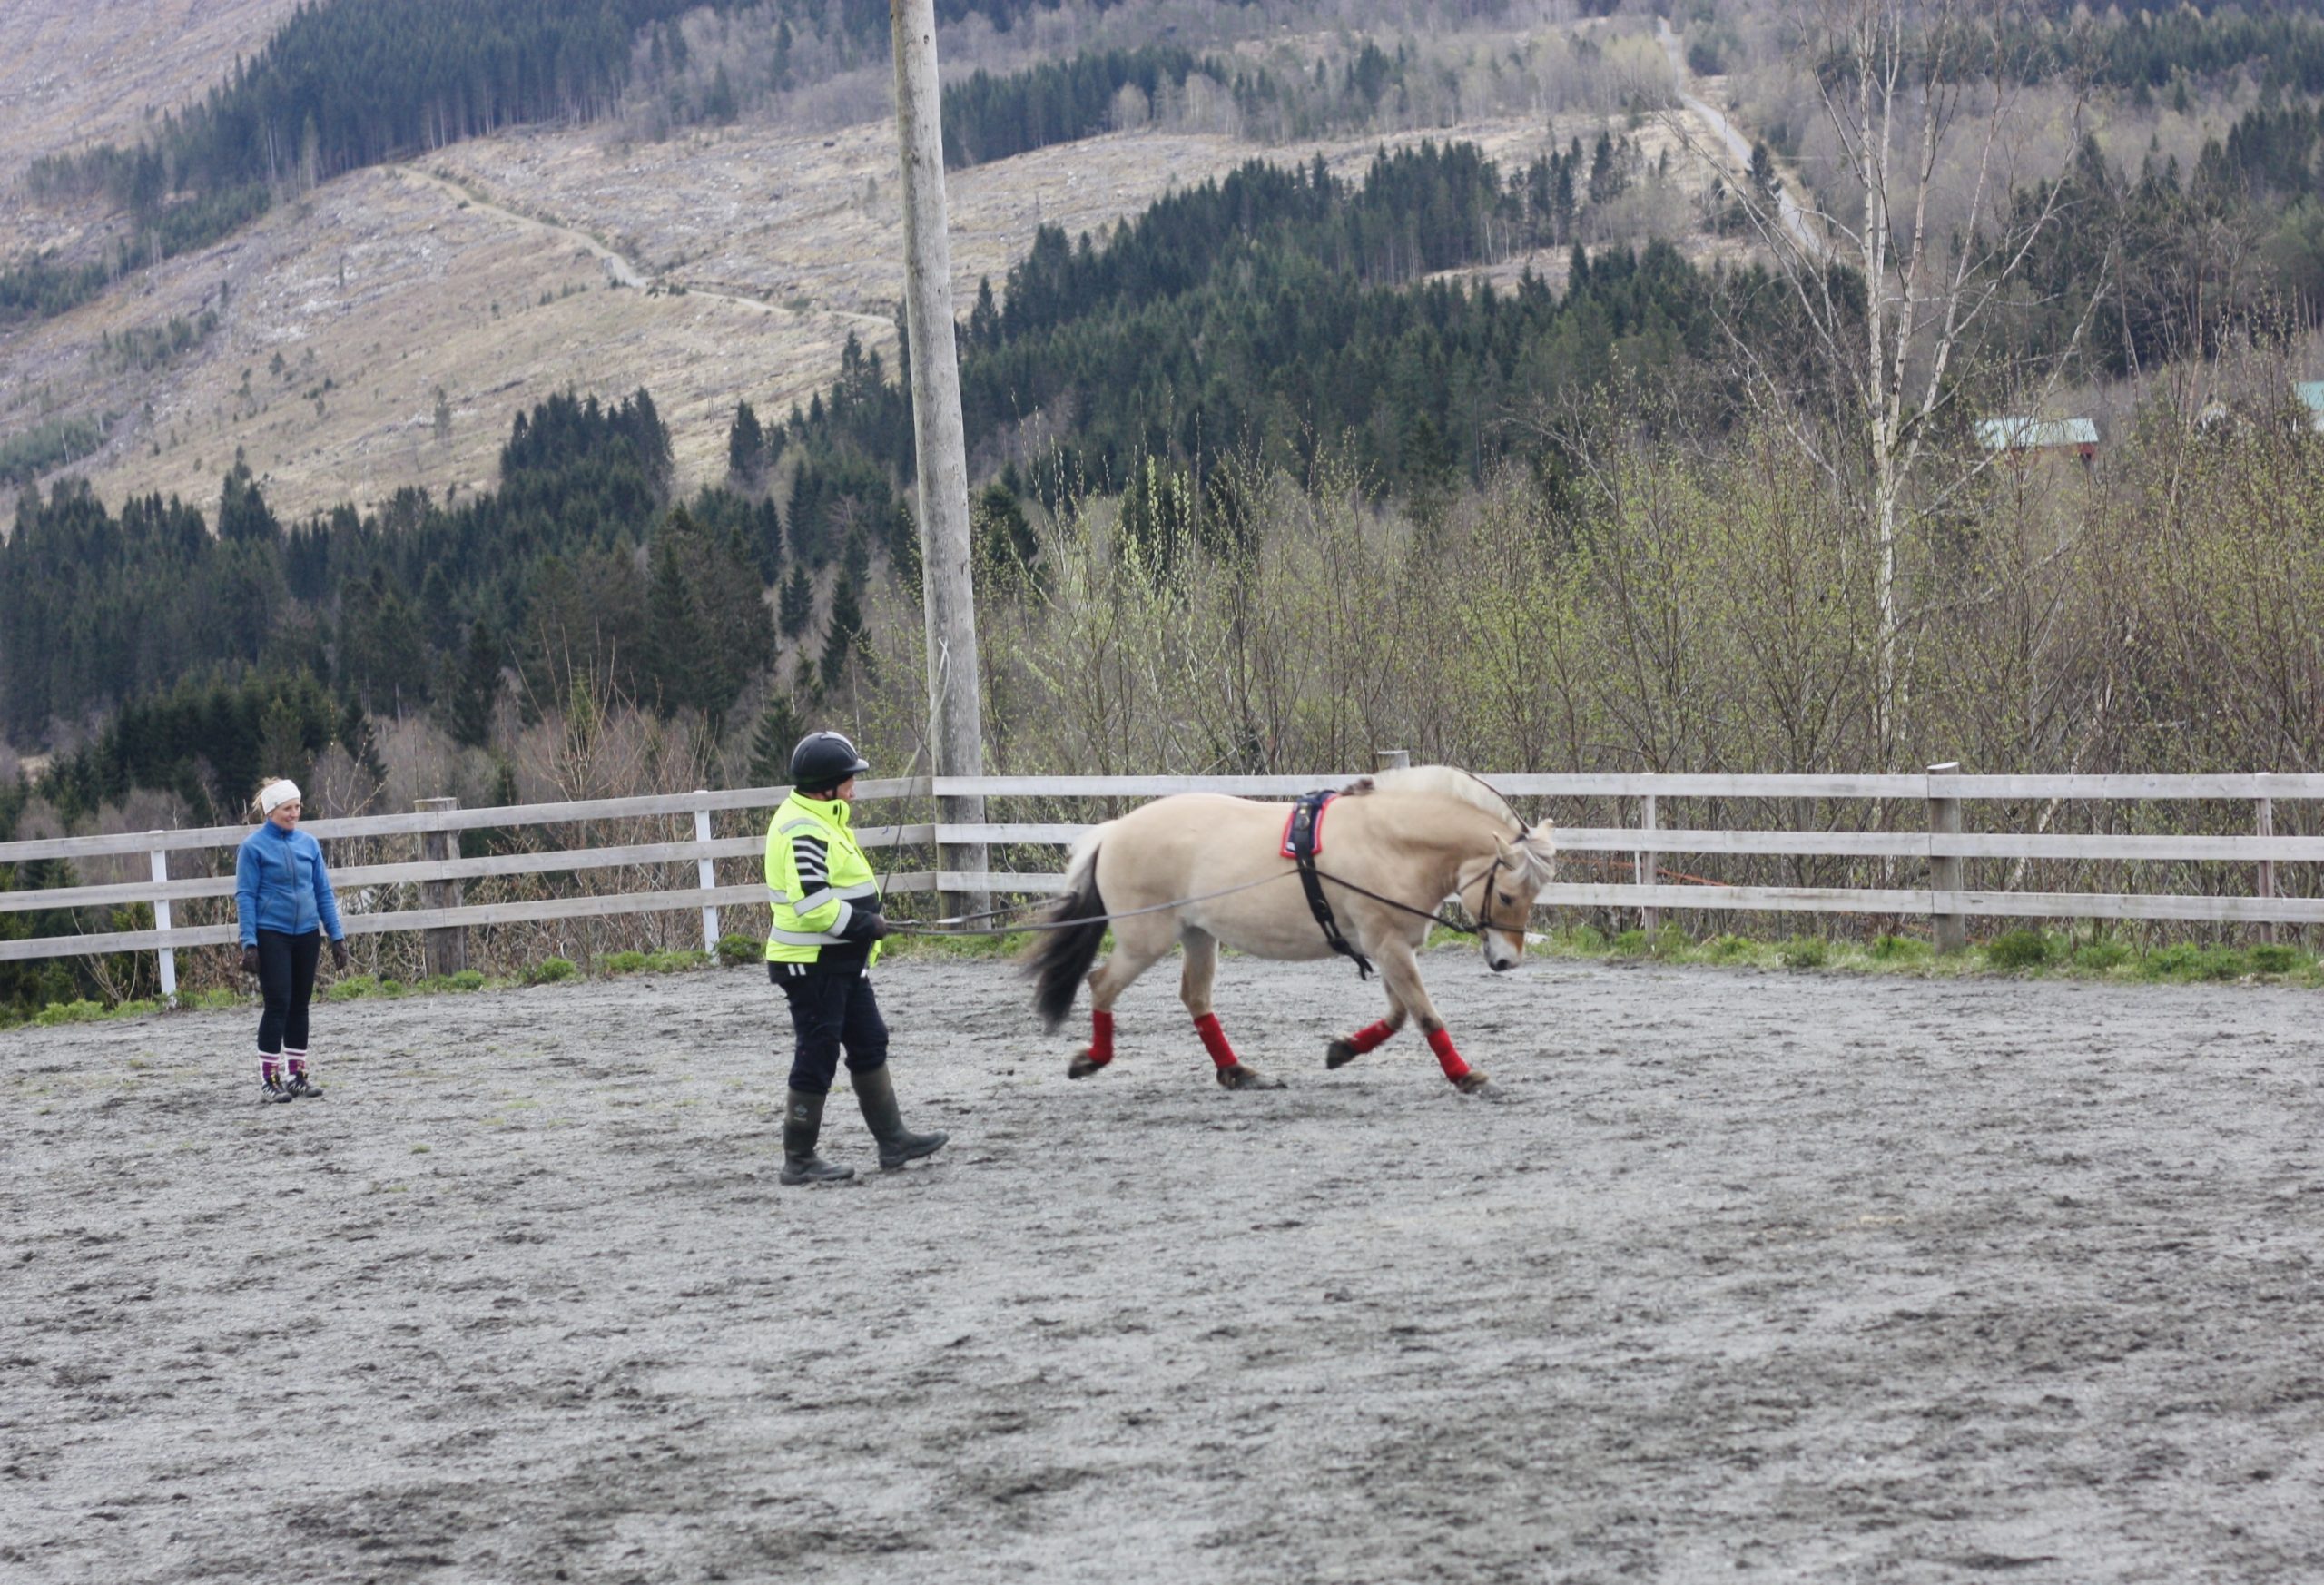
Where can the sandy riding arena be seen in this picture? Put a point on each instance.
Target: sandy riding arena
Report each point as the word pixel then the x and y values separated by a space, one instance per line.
pixel 1759 1276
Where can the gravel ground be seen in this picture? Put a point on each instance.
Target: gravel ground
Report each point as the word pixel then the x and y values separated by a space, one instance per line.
pixel 1763 1277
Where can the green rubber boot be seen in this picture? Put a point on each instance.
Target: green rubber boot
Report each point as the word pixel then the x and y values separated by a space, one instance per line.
pixel 802 1120
pixel 875 1092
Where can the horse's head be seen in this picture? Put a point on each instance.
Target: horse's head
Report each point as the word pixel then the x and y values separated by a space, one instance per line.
pixel 1499 893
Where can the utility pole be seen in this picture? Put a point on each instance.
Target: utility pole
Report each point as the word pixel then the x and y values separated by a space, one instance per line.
pixel 955 715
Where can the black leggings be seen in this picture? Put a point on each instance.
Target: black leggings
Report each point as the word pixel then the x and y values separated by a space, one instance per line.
pixel 829 1011
pixel 286 978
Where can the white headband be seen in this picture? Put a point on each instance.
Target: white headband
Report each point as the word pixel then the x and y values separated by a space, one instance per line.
pixel 275 794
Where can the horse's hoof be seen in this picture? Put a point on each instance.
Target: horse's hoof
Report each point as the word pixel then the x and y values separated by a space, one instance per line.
pixel 1242 1076
pixel 1478 1085
pixel 1083 1065
pixel 1339 1054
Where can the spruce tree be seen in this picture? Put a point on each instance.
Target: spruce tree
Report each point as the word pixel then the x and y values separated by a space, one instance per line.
pixel 766 540
pixel 798 603
pixel 675 648
pixel 845 631
pixel 745 447
pixel 780 728
pixel 477 687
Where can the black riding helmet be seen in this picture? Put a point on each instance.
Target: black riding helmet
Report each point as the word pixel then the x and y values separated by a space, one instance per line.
pixel 824 759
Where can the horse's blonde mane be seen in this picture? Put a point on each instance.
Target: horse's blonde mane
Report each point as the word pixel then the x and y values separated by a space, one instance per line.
pixel 1445 782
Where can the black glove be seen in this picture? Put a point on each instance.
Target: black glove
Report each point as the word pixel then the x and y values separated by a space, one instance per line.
pixel 338 956
pixel 250 960
pixel 875 928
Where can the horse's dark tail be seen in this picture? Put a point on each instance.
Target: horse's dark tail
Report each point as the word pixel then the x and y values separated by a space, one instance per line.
pixel 1059 960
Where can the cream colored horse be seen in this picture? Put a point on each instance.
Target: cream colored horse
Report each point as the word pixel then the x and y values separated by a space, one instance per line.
pixel 1412 837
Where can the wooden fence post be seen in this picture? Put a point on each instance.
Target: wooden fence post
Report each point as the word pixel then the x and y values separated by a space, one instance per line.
pixel 444 951
pixel 162 922
pixel 707 872
pixel 1391 759
pixel 2267 887
pixel 1944 871
pixel 1648 862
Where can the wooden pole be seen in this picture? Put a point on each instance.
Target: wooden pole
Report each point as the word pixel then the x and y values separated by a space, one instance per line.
pixel 2267 887
pixel 1391 759
pixel 1945 872
pixel 162 922
pixel 441 952
pixel 1650 863
pixel 955 716
pixel 706 871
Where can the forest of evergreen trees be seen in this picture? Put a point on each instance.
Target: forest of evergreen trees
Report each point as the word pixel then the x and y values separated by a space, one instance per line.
pixel 1271 312
pixel 989 117
pixel 2161 49
pixel 417 606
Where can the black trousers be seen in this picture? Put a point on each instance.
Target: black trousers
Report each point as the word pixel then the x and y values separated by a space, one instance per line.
pixel 286 978
pixel 828 1012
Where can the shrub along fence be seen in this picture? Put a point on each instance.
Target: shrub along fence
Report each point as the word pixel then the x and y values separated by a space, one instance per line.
pixel 2203 848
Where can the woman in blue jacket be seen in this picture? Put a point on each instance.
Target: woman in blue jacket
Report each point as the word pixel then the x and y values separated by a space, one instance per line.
pixel 282 897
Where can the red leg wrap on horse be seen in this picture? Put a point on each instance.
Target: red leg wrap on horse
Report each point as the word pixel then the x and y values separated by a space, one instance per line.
pixel 1213 1041
pixel 1440 1042
pixel 1101 1036
pixel 1365 1038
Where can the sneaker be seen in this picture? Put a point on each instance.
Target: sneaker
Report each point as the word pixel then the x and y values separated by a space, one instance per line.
pixel 273 1090
pixel 300 1086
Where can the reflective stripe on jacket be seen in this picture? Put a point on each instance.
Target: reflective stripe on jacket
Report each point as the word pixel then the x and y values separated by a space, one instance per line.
pixel 819 884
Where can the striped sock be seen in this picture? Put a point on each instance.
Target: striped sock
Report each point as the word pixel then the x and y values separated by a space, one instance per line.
pixel 267 1069
pixel 297 1061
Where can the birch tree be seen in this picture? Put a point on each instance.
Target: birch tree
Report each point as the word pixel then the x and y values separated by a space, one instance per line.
pixel 1898 269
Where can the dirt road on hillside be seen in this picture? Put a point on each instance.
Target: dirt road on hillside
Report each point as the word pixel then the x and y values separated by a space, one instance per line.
pixel 1762 1277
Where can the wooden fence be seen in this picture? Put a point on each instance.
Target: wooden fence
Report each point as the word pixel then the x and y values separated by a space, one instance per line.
pixel 1917 842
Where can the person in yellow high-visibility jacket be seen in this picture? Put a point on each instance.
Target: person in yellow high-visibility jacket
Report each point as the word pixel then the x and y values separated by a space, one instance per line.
pixel 824 938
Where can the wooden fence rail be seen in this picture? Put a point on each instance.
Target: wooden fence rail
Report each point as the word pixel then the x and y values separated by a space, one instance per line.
pixel 1938 796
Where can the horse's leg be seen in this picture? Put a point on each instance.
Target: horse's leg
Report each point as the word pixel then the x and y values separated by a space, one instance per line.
pixel 1138 943
pixel 1193 990
pixel 1348 1047
pixel 1400 971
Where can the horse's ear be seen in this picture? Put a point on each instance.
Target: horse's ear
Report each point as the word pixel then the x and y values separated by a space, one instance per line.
pixel 1542 849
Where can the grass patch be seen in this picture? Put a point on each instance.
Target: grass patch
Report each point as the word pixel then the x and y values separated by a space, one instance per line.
pixel 1805 952
pixel 84 1011
pixel 1581 940
pixel 548 971
pixel 2017 951
pixel 1671 942
pixel 664 962
pixel 2275 958
pixel 2102 957
pixel 1901 951
pixel 2184 962
pixel 1005 946
pixel 1731 948
pixel 736 951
